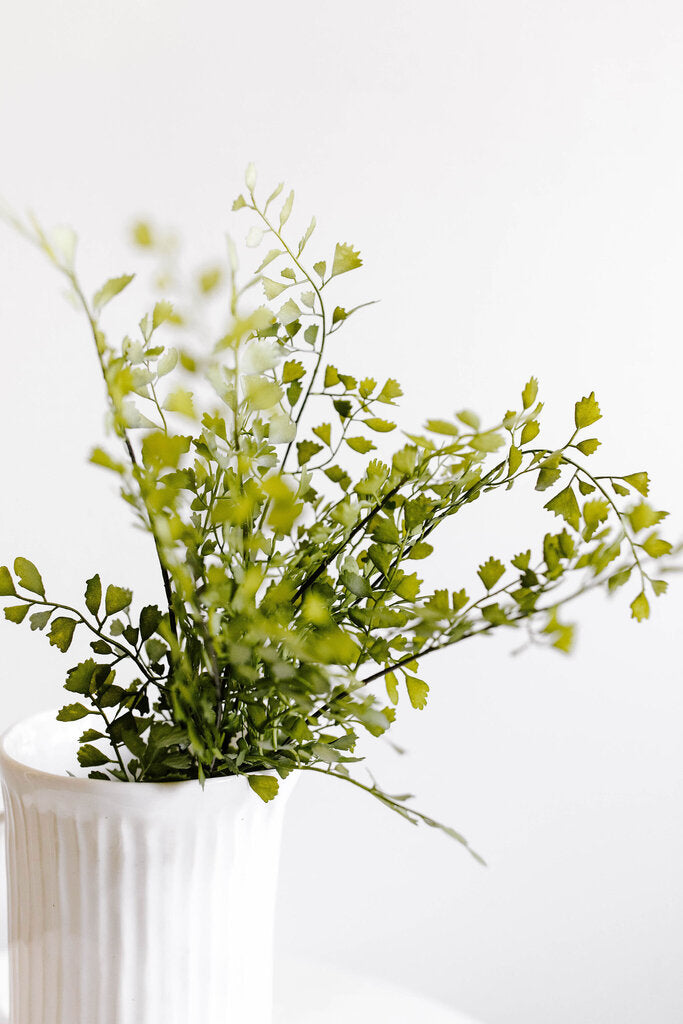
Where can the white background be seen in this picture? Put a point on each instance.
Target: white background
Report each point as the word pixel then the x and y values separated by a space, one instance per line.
pixel 513 173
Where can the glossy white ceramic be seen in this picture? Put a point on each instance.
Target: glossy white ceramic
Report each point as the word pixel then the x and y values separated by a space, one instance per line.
pixel 134 904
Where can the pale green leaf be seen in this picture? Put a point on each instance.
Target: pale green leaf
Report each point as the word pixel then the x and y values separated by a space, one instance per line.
pixel 110 289
pixel 418 691
pixel 345 258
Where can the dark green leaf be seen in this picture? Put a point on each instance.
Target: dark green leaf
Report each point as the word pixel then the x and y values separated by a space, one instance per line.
pixel 90 757
pixel 116 599
pixel 93 594
pixel 72 712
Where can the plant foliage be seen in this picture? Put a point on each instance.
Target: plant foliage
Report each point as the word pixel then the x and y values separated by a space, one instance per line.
pixel 293 615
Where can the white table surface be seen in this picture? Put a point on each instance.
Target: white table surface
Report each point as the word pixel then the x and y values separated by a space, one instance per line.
pixel 308 993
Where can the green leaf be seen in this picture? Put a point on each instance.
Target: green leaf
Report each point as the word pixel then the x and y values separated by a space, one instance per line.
pixel 639 481
pixel 586 488
pixel 595 512
pixel 155 649
pixel 6 583
pixel 324 432
pixel 90 757
pixel 514 460
pixel 72 713
pixel 79 679
pixel 643 515
pixel 292 370
pixel 360 444
pixel 91 734
pixel 487 442
pixel 99 457
pixel 565 504
pixel 529 431
pixel 345 258
pixel 264 786
pixel 589 446
pixel 619 579
pixel 163 311
pixel 522 560
pixel 289 313
pixel 358 585
pixel 442 427
pixel 28 576
pixel 16 612
pixel 261 392
pixel 469 418
pixel 62 632
pixel 93 594
pixel 384 530
pixel 160 449
pixel 150 617
pixel 380 425
pixel 286 209
pixel 306 450
pixel 271 255
pixel 655 547
pixel 110 289
pixel 418 691
pixel 420 550
pixel 39 620
pixel 391 683
pixel 659 587
pixel 339 314
pixel 408 587
pixel 116 599
pixel 332 377
pixel 586 411
pixel 490 572
pixel 640 608
pixel 546 479
pixel 530 393
pixel 180 401
pixel 307 234
pixel 272 288
pixel 390 391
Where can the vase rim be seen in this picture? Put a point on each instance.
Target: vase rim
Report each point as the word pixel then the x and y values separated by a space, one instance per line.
pixel 12 760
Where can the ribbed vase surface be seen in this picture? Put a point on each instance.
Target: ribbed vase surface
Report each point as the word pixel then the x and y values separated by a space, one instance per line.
pixel 135 903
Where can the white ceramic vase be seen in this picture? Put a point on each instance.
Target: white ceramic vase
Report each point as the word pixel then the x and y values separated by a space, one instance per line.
pixel 133 903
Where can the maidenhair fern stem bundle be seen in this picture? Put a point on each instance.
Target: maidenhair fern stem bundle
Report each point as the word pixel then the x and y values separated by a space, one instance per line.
pixel 291 614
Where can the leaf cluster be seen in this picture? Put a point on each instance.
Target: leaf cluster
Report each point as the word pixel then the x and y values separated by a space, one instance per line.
pixel 293 616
